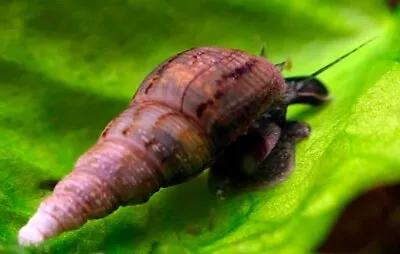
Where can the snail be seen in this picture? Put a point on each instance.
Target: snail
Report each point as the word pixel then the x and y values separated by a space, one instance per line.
pixel 194 111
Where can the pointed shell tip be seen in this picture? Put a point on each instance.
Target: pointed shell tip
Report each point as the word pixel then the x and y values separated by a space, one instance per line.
pixel 29 236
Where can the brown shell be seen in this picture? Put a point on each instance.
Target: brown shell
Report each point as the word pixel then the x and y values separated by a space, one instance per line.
pixel 183 114
pixel 220 89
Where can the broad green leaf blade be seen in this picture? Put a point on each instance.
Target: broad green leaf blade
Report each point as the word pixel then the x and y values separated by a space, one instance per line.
pixel 67 67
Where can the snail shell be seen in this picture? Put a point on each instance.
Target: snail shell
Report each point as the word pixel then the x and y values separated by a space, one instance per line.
pixel 183 114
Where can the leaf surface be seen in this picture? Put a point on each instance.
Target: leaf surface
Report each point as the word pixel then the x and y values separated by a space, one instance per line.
pixel 68 67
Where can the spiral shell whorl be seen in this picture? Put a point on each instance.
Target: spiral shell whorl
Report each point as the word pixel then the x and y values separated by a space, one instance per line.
pixel 130 162
pixel 96 187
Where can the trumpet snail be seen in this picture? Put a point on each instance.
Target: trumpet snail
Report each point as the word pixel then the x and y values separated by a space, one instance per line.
pixel 206 107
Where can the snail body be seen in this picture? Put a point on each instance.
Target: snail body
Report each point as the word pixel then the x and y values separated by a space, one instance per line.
pixel 205 107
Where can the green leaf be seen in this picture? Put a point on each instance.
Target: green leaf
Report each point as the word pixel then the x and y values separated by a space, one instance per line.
pixel 67 67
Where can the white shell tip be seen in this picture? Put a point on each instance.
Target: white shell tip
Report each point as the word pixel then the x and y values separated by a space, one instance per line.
pixel 28 235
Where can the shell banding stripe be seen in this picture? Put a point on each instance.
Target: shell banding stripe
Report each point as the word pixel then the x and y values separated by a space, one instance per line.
pixel 209 67
pixel 158 72
pixel 223 88
pixel 214 96
pixel 171 138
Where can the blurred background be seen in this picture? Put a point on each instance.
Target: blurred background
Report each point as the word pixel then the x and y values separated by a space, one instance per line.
pixel 68 67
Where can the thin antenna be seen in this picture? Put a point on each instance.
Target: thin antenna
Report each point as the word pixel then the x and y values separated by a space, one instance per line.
pixel 340 59
pixel 263 53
